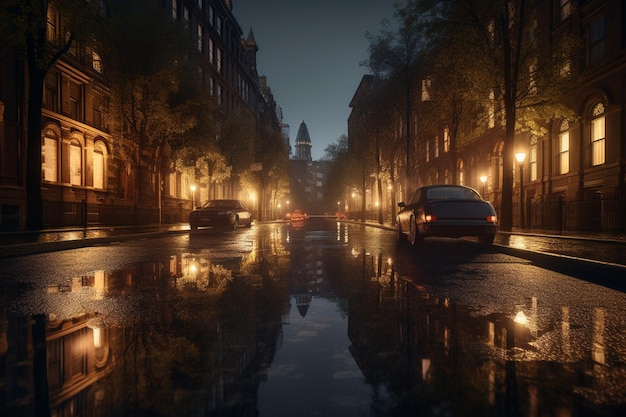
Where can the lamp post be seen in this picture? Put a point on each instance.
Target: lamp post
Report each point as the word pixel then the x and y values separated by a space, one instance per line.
pixel 193 197
pixel 520 156
pixel 483 180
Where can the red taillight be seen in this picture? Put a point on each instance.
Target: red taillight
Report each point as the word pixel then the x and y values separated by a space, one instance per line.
pixel 492 219
pixel 429 218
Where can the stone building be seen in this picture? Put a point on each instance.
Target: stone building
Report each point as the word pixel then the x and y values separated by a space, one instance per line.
pixel 85 177
pixel 573 177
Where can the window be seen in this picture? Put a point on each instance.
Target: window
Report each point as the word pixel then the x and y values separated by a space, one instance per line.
pixel 49 157
pixel 491 110
pixel 598 135
pixel 563 148
pixel 98 103
pixel 75 100
pixel 595 41
pixel 533 158
pixel 76 164
pixel 175 9
pixel 51 92
pixel 98 166
pixel 218 25
pixel 218 63
pixel 436 146
pixel 446 139
pixel 52 25
pixel 200 38
pixel 172 184
pixel 461 173
pixel 211 51
pixel 565 9
pixel 426 84
pixel 427 151
pixel 96 61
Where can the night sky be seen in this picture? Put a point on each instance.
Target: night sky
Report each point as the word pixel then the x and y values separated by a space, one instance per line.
pixel 311 53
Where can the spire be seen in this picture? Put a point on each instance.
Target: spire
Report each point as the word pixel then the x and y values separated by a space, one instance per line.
pixel 303 143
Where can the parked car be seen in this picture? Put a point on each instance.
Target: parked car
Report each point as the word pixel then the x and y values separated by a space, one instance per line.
pixel 220 213
pixel 446 211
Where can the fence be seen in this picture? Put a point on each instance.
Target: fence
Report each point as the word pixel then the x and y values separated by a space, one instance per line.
pixel 81 214
pixel 604 214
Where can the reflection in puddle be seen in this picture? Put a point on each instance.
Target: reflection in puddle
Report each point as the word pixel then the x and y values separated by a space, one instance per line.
pixel 306 322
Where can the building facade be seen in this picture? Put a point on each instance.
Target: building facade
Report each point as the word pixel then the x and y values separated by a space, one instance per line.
pixel 573 177
pixel 86 179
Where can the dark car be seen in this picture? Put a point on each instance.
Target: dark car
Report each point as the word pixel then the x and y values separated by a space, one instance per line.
pixel 220 213
pixel 446 211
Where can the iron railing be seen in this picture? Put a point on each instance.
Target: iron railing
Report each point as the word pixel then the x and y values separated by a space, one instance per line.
pixel 81 214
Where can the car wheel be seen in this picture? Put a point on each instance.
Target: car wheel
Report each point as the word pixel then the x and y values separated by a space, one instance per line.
pixel 236 223
pixel 486 240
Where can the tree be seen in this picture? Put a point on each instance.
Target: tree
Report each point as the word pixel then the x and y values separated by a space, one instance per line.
pixel 500 37
pixel 393 57
pixel 24 30
pixel 155 93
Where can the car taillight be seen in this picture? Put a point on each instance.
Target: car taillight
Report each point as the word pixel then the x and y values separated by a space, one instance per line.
pixel 492 218
pixel 429 218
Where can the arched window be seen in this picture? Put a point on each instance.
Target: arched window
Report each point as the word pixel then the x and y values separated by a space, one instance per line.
pixel 563 163
pixel 598 132
pixel 76 164
pixel 99 152
pixel 49 156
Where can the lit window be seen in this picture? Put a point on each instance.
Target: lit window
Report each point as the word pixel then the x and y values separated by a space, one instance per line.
pixel 461 173
pixel 564 147
pixel 427 151
pixel 491 109
pixel 98 167
pixel 426 84
pixel 436 147
pixel 598 135
pixel 96 62
pixel 49 157
pixel 446 140
pixel 75 164
pixel 533 158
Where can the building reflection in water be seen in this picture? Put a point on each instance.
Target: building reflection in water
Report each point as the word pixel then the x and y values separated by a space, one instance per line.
pixel 195 334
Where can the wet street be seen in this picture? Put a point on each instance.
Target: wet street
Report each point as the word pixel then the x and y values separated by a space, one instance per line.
pixel 317 319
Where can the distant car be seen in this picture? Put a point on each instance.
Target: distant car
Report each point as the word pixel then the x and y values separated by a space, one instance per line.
pixel 220 214
pixel 298 216
pixel 446 211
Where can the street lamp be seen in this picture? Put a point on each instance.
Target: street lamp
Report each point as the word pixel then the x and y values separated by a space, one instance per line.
pixel 520 156
pixel 483 180
pixel 193 197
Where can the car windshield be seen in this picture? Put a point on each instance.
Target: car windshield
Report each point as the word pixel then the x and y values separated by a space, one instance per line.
pixel 223 204
pixel 451 193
